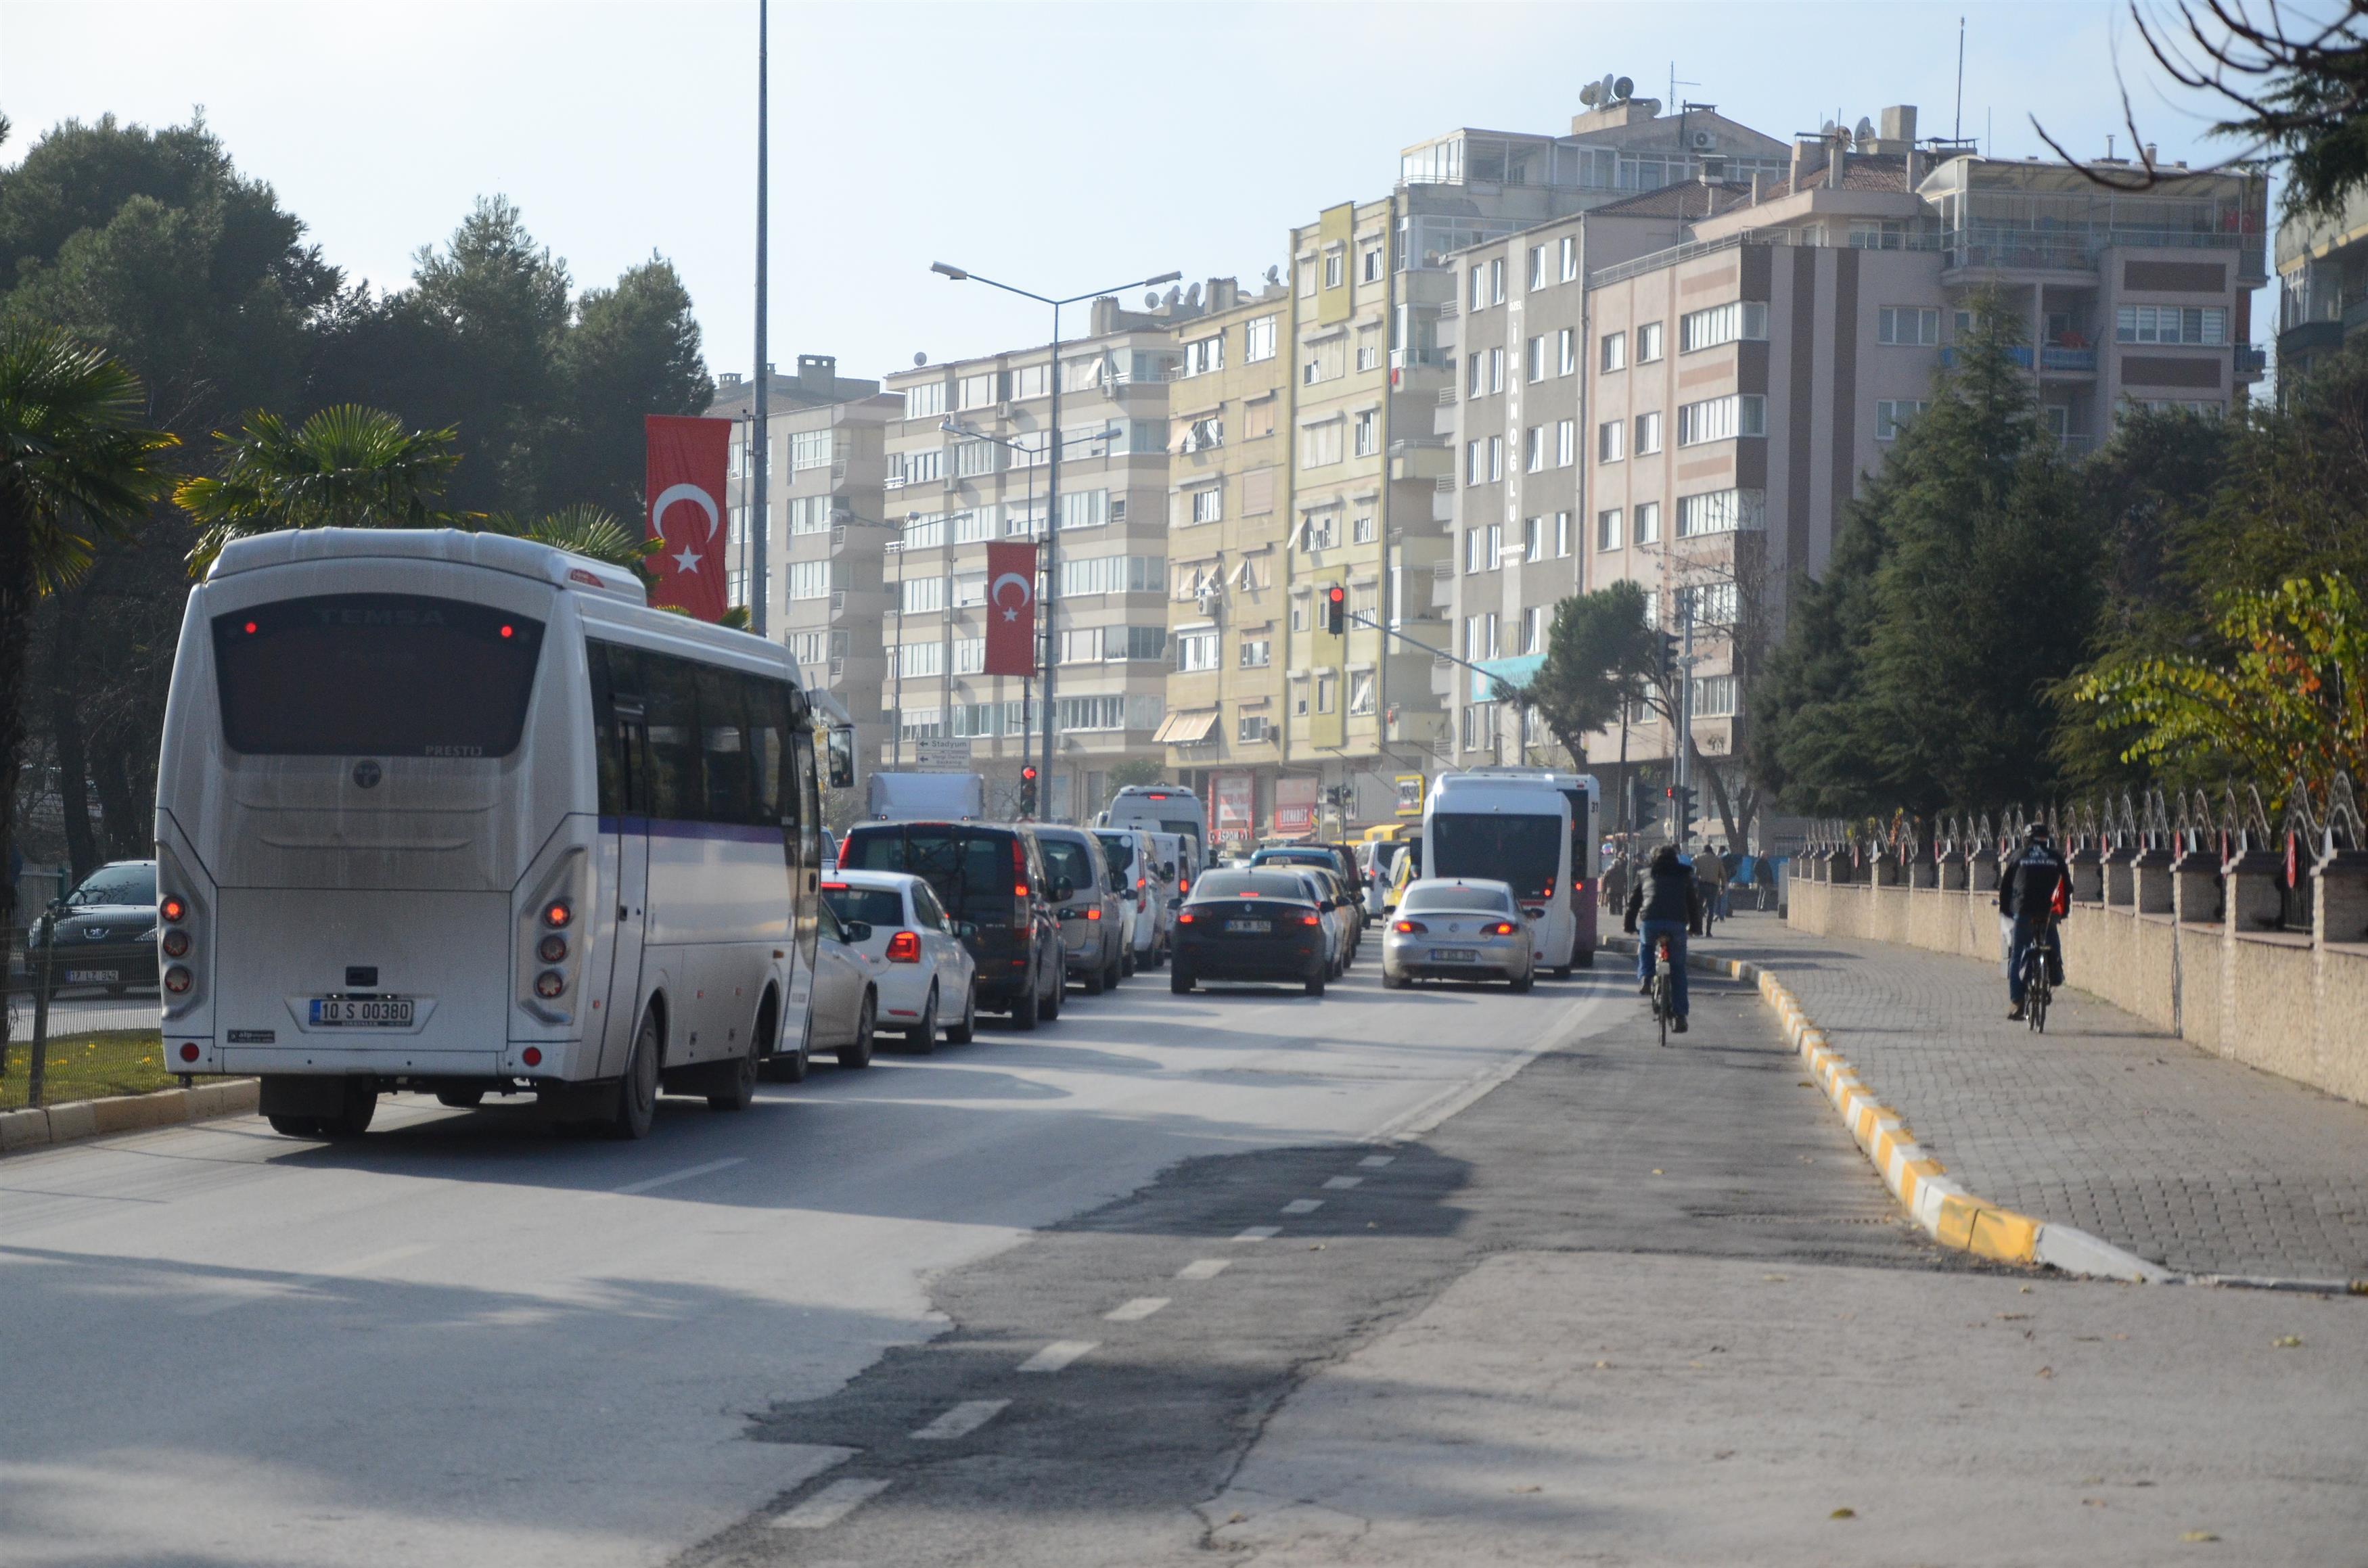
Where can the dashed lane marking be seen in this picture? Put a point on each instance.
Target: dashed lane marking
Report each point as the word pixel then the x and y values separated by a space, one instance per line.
pixel 962 1420
pixel 1376 1162
pixel 1204 1268
pixel 1258 1234
pixel 1342 1184
pixel 830 1504
pixel 1058 1354
pixel 655 1182
pixel 1302 1206
pixel 291 1284
pixel 1135 1311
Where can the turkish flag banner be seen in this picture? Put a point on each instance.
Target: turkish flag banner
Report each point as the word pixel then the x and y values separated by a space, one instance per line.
pixel 1010 609
pixel 684 481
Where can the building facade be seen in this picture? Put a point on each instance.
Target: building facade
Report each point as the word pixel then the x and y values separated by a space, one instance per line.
pixel 2322 287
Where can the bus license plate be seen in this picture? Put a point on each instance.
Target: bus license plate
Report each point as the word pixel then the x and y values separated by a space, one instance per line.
pixel 1454 955
pixel 1257 926
pixel 90 977
pixel 362 1012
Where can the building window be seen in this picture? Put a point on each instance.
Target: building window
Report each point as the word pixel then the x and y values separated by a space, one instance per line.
pixel 1892 415
pixel 1479 286
pixel 1562 533
pixel 1258 417
pixel 1648 433
pixel 2171 324
pixel 920 723
pixel 1031 380
pixel 1480 546
pixel 921 659
pixel 1537 364
pixel 1360 692
pixel 970 589
pixel 1648 522
pixel 1497 281
pixel 1533 629
pixel 1720 511
pixel 1363 530
pixel 1496 458
pixel 810 448
pixel 1567 351
pixel 1085 509
pixel 1327 690
pixel 1332 262
pixel 811 514
pixel 1204 355
pixel 1615 351
pixel 1319 445
pixel 1908 326
pixel 1708 604
pixel 1319 530
pixel 924 467
pixel 1480 636
pixel 1610 441
pixel 1113 574
pixel 1737 319
pixel 1258 653
pixel 1209 504
pixel 1258 339
pixel 1607 529
pixel 1476 374
pixel 924 530
pixel 1299 615
pixel 973 459
pixel 1370 270
pixel 1369 348
pixel 979 391
pixel 923 595
pixel 1569 257
pixel 1202 435
pixel 1713 696
pixel 1496 370
pixel 809 579
pixel 1537 267
pixel 1367 430
pixel 1533 443
pixel 1722 418
pixel 925 400
pixel 1082 645
pixel 1252 729
pixel 1565 443
pixel 1094 712
pixel 1648 343
pixel 1533 539
pixel 1196 651
pixel 970 655
pixel 1326 361
pixel 1308 278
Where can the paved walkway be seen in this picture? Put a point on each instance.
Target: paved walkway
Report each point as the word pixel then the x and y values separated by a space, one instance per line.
pixel 2103 1122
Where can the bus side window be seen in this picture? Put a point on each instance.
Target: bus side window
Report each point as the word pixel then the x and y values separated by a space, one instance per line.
pixel 617 725
pixel 809 799
pixel 671 700
pixel 723 738
pixel 768 737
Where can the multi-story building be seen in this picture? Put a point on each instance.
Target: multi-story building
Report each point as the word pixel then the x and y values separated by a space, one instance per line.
pixel 1741 381
pixel 1229 563
pixel 2322 287
pixel 966 464
pixel 825 537
pixel 1370 282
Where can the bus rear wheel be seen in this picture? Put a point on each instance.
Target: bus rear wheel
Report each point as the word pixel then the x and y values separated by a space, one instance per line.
pixel 637 1092
pixel 358 1103
pixel 741 1088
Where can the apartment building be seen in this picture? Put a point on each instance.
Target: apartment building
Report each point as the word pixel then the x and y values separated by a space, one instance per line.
pixel 2322 287
pixel 1370 284
pixel 1228 561
pixel 825 537
pixel 968 464
pixel 1801 323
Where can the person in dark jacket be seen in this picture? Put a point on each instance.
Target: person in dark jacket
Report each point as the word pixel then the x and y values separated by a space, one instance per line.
pixel 1665 902
pixel 2033 887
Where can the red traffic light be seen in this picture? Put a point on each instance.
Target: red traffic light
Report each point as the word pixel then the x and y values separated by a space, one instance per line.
pixel 1029 773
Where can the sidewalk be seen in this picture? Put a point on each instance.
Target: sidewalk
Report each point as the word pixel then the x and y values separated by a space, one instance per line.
pixel 2103 1122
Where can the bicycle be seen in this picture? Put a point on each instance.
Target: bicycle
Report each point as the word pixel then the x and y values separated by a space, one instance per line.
pixel 1665 987
pixel 2038 989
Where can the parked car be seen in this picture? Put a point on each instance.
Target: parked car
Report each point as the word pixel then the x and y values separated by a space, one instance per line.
pixel 1250 926
pixel 1453 928
pixel 991 878
pixel 844 1017
pixel 1085 901
pixel 926 978
pixel 106 931
pixel 1136 863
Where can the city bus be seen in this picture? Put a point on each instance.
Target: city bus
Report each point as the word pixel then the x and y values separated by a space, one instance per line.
pixel 462 813
pixel 1532 827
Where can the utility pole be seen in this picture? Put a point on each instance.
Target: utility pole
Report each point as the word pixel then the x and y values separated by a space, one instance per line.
pixel 1050 597
pixel 762 451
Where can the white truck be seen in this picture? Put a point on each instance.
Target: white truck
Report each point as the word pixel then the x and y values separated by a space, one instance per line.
pixel 933 796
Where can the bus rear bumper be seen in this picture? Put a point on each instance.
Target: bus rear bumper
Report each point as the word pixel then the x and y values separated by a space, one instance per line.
pixel 401 1059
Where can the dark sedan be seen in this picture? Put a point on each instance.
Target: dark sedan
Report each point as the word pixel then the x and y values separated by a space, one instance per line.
pixel 106 931
pixel 1254 925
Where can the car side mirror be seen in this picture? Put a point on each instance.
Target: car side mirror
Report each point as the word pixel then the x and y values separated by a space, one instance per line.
pixel 965 930
pixel 56 906
pixel 856 930
pixel 1327 907
pixel 838 746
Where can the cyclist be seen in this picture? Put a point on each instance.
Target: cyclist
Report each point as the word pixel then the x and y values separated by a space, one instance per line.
pixel 1665 902
pixel 2033 889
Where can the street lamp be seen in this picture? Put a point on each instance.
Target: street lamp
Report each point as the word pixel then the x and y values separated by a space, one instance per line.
pixel 1051 594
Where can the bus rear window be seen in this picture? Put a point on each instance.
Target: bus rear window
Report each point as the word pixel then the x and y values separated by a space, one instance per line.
pixel 1521 849
pixel 375 674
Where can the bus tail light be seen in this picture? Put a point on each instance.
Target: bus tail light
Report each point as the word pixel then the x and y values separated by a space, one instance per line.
pixel 547 952
pixel 177 981
pixel 905 947
pixel 177 944
pixel 190 1051
pixel 551 949
pixel 557 913
pixel 549 984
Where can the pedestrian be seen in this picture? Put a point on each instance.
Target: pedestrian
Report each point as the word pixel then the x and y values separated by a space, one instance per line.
pixel 1711 871
pixel 2034 888
pixel 1665 902
pixel 1615 880
pixel 1763 877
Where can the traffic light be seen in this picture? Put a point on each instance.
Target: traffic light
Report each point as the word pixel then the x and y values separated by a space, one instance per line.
pixel 1336 609
pixel 1670 654
pixel 1028 790
pixel 1681 811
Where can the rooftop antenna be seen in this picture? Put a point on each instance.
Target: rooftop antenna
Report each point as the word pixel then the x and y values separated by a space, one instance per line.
pixel 1957 125
pixel 1674 84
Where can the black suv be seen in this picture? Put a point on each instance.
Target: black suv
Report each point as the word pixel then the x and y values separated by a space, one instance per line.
pixel 990 877
pixel 107 931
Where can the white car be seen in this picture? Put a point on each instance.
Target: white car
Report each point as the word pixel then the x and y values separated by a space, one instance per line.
pixel 1134 859
pixel 1319 894
pixel 924 977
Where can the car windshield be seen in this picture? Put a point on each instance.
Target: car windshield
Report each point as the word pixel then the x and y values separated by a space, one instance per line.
pixel 1252 884
pixel 118 885
pixel 1066 859
pixel 873 906
pixel 1455 895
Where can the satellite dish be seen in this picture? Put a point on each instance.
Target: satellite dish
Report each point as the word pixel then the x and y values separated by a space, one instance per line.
pixel 1174 297
pixel 920 359
pixel 1590 94
pixel 1150 300
pixel 1865 131
pixel 1274 277
pixel 1623 89
pixel 1192 297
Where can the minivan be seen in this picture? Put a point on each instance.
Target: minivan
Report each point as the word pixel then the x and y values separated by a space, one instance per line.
pixel 991 880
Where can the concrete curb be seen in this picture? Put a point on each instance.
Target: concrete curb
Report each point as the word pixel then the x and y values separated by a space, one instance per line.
pixel 1952 1216
pixel 77 1119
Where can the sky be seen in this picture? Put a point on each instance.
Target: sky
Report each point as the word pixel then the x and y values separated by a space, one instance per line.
pixel 1064 148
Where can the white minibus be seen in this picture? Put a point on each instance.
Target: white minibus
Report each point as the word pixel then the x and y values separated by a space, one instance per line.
pixel 1164 807
pixel 460 814
pixel 1531 827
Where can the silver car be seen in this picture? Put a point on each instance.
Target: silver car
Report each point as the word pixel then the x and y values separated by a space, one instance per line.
pixel 1458 928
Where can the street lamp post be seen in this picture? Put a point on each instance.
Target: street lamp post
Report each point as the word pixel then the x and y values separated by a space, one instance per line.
pixel 1051 594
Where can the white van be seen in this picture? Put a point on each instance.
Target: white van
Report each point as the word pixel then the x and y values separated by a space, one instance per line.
pixel 1164 807
pixel 1532 829
pixel 460 812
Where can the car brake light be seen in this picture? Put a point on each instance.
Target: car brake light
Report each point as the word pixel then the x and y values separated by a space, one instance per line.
pixel 1409 927
pixel 905 947
pixel 1184 885
pixel 834 887
pixel 1501 929
pixel 1311 920
pixel 1094 914
pixel 1186 917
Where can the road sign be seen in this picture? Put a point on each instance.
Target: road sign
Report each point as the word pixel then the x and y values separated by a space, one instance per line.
pixel 941 754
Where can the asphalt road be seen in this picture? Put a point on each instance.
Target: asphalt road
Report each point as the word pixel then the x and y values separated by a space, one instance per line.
pixel 464 1340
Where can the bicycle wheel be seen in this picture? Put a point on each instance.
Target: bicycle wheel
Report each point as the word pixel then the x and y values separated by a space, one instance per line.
pixel 2039 998
pixel 1662 1006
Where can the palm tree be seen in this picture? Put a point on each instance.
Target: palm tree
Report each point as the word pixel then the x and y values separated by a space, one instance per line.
pixel 345 467
pixel 588 530
pixel 74 460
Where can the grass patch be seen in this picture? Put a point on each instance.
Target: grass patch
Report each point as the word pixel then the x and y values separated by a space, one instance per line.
pixel 88 1066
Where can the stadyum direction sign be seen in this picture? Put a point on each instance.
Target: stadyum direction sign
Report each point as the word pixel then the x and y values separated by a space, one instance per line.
pixel 684 480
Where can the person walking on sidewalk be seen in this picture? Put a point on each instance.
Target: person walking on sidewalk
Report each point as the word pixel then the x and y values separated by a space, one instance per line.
pixel 1665 902
pixel 2034 888
pixel 1710 869
pixel 1615 882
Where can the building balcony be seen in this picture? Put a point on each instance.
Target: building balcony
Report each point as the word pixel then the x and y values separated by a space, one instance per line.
pixel 2310 337
pixel 2056 361
pixel 2252 363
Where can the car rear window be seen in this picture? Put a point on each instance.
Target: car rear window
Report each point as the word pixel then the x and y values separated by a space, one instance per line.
pixel 1455 896
pixel 1119 850
pixel 1265 884
pixel 873 906
pixel 1066 857
pixel 374 674
pixel 969 868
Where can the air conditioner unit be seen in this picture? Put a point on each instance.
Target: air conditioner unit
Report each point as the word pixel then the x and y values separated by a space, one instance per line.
pixel 1705 140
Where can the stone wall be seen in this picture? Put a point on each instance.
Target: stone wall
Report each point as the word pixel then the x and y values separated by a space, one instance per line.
pixel 2288 1002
